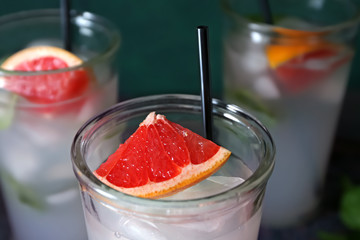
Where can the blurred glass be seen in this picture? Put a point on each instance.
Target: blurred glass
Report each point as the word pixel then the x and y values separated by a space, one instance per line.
pixel 39 189
pixel 292 75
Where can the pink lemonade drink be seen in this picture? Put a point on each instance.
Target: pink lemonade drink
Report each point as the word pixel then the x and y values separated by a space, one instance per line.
pixel 226 205
pixel 46 94
pixel 292 75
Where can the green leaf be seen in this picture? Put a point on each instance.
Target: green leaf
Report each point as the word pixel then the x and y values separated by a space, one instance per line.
pixel 354 235
pixel 350 208
pixel 26 194
pixel 346 184
pixel 331 236
pixel 7 108
pixel 251 102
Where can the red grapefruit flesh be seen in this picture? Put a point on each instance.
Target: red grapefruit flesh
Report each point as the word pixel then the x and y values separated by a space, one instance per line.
pixel 299 65
pixel 45 87
pixel 160 159
pixel 299 73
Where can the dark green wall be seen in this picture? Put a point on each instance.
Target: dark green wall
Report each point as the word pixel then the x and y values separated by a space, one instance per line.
pixel 159 41
pixel 159 47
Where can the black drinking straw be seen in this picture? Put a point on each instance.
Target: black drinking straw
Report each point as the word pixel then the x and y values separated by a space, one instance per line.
pixel 65 23
pixel 266 11
pixel 206 104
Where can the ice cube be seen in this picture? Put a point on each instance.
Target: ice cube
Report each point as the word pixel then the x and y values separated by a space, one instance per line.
pixel 46 42
pixel 210 186
pixel 133 228
pixel 211 225
pixel 295 23
pixel 250 60
pixel 19 158
pixel 266 87
pixel 63 197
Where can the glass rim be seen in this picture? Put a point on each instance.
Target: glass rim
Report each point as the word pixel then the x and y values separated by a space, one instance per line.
pixel 87 178
pixel 265 27
pixel 40 13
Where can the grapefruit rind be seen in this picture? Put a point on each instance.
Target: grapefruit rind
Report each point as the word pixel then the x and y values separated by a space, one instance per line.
pixel 280 54
pixel 190 175
pixel 32 53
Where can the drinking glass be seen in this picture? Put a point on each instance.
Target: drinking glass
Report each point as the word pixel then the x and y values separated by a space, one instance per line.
pixel 292 75
pixel 39 188
pixel 224 206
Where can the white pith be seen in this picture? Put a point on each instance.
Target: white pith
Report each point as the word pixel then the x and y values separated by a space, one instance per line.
pixel 31 53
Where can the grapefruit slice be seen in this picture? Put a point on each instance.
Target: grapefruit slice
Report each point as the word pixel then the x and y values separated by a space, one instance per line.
pixel 160 159
pixel 298 65
pixel 45 87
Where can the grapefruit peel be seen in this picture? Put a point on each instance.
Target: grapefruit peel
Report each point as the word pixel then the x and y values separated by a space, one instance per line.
pixel 280 54
pixel 32 53
pixel 189 174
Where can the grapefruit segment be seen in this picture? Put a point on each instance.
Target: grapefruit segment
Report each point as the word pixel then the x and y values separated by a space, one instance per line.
pixel 160 165
pixel 200 148
pixel 127 170
pixel 45 87
pixel 110 163
pixel 160 159
pixel 173 143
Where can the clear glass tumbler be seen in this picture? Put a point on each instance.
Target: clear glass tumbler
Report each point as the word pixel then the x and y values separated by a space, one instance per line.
pixel 39 188
pixel 224 206
pixel 292 75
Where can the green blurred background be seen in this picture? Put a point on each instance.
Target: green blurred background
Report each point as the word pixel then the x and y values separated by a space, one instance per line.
pixel 159 48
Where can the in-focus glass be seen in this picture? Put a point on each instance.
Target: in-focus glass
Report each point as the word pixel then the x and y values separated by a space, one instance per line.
pixel 224 206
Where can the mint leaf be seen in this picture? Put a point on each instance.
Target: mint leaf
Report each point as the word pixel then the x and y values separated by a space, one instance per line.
pixel 26 195
pixel 251 102
pixel 7 108
pixel 355 235
pixel 330 236
pixel 350 208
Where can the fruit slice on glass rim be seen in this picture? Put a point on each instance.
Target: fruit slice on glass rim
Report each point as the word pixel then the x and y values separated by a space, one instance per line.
pixel 160 159
pixel 298 65
pixel 48 86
